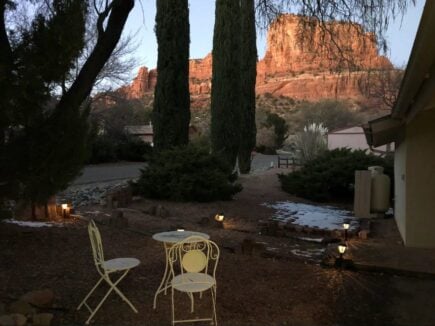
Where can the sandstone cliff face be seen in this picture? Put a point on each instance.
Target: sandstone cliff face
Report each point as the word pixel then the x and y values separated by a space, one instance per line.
pixel 293 66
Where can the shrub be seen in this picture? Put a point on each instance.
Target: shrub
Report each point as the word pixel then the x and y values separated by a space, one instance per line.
pixel 133 149
pixel 311 142
pixel 331 176
pixel 117 147
pixel 188 174
pixel 102 150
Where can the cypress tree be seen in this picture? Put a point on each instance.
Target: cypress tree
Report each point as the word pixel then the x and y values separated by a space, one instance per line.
pixel 248 74
pixel 171 112
pixel 226 83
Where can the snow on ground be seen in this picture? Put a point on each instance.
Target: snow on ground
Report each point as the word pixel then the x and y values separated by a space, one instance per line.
pixel 322 217
pixel 32 224
pixel 308 253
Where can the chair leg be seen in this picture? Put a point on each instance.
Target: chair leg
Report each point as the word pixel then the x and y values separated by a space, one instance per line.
pixel 89 294
pixel 190 294
pixel 112 287
pixel 213 296
pixel 118 291
pixel 173 307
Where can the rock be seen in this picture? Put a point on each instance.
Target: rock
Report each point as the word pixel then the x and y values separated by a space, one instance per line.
pixel 21 307
pixel 19 319
pixel 289 67
pixel 6 320
pixel 39 298
pixel 118 220
pixel 204 221
pixel 43 319
pixel 162 211
pixel 363 234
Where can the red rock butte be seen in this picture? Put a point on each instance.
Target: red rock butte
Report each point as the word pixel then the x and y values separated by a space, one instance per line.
pixel 296 64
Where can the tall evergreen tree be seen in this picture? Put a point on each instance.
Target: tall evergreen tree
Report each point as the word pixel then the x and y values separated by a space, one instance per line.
pixel 226 83
pixel 248 51
pixel 171 112
pixel 43 147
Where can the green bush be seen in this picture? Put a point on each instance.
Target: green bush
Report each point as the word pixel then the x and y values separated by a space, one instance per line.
pixel 188 174
pixel 102 150
pixel 331 176
pixel 133 149
pixel 118 147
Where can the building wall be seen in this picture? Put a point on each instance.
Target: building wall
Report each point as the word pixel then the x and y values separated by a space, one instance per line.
pixel 420 180
pixel 353 138
pixel 400 176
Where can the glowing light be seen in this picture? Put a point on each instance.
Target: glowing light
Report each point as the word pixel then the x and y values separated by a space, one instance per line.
pixel 346 225
pixel 64 206
pixel 180 230
pixel 219 217
pixel 342 248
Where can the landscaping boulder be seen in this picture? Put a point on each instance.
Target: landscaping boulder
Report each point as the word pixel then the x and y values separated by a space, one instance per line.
pixel 161 211
pixel 19 319
pixel 21 307
pixel 39 298
pixel 6 320
pixel 42 319
pixel 118 220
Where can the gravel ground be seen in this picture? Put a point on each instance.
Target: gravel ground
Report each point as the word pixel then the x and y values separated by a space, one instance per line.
pixel 257 289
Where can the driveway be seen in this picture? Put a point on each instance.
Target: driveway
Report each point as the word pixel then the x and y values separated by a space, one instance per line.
pixel 109 172
pixel 131 170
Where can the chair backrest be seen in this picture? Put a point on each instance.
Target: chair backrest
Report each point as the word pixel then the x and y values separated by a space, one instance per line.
pixel 97 246
pixel 194 254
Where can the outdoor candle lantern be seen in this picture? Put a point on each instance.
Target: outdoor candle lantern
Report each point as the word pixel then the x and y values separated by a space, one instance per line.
pixel 65 210
pixel 342 249
pixel 219 217
pixel 346 226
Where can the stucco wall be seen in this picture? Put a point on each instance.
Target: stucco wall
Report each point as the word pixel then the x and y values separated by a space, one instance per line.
pixel 353 138
pixel 420 180
pixel 400 187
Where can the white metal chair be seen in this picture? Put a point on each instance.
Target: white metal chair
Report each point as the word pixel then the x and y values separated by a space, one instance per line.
pixel 105 268
pixel 193 263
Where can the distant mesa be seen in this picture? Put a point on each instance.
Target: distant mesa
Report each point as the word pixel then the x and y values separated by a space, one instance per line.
pixel 292 66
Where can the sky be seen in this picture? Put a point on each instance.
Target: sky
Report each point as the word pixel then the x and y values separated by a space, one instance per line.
pixel 400 34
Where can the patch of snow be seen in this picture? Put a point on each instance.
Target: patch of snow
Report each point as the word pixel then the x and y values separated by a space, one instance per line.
pixel 307 253
pixel 322 217
pixel 318 240
pixel 32 224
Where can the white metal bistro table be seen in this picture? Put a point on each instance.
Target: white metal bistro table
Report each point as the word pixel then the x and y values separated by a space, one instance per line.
pixel 168 239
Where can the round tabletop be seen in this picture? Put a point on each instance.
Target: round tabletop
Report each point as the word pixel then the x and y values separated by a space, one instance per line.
pixel 176 236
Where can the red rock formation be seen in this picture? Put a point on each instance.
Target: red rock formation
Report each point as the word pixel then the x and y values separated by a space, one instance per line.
pixel 292 66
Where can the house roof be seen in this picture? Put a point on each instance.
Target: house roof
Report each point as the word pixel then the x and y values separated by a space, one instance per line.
pixel 417 90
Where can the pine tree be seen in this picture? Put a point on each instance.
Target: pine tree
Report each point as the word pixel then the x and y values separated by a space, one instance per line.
pixel 226 83
pixel 171 112
pixel 248 74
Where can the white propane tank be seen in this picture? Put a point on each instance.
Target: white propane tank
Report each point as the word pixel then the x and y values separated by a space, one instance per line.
pixel 380 190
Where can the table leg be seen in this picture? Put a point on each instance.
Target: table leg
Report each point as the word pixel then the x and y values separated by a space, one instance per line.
pixel 166 275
